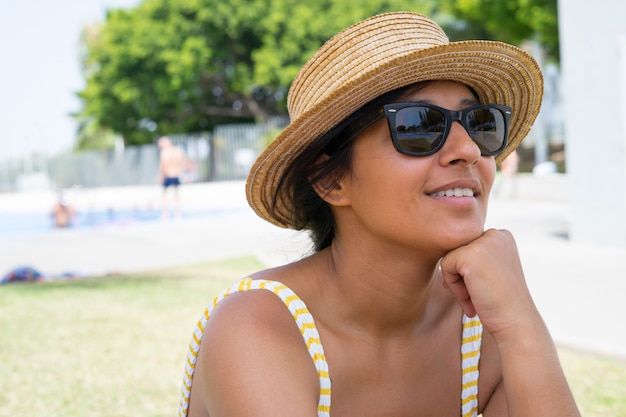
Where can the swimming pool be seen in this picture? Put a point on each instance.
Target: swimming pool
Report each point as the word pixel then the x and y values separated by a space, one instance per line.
pixel 26 223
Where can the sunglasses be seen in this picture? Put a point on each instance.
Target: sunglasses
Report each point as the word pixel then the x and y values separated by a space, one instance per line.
pixel 420 129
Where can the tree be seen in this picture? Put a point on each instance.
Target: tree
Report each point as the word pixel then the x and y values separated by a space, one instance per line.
pixel 92 136
pixel 170 66
pixel 511 21
pixel 187 65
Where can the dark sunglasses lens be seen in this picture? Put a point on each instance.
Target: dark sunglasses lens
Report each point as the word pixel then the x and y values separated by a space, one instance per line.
pixel 419 130
pixel 487 127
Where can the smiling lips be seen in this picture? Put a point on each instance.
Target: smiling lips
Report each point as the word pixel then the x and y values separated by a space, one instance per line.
pixel 454 192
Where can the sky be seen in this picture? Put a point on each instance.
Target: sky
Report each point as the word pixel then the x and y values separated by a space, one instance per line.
pixel 40 71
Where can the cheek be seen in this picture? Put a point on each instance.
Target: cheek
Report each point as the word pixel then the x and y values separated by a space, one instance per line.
pixel 488 172
pixel 385 172
pixel 388 186
pixel 371 179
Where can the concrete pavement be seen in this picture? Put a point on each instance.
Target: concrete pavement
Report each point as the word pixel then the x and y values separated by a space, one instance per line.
pixel 578 287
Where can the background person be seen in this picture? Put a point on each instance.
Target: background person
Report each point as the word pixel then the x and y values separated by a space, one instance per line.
pixel 407 306
pixel 172 165
pixel 506 183
pixel 63 213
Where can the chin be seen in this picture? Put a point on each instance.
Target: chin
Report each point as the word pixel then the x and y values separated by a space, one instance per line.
pixel 457 238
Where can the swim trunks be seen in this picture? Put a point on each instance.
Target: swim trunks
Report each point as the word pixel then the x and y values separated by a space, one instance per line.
pixel 171 181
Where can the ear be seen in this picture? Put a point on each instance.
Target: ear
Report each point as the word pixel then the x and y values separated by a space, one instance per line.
pixel 331 189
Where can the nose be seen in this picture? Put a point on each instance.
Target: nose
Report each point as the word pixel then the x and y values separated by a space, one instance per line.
pixel 459 147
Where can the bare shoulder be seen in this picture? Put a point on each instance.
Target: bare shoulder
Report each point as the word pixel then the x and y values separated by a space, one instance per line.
pixel 251 343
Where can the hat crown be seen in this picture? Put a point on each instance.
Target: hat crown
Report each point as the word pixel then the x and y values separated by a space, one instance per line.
pixel 370 43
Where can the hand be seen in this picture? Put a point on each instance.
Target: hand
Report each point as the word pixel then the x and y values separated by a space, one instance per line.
pixel 485 276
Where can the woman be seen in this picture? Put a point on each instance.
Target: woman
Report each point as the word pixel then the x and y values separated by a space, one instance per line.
pixel 407 307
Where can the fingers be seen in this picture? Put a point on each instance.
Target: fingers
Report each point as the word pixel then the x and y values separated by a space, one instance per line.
pixel 485 277
pixel 460 293
pixel 455 283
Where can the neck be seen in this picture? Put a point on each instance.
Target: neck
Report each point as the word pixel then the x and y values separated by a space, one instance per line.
pixel 383 292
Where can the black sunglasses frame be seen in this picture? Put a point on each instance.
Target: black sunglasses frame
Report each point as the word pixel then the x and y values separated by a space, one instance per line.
pixel 450 116
pixel 389 111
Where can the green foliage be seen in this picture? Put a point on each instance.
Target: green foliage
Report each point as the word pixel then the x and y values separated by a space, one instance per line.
pixel 92 136
pixel 186 65
pixel 511 21
pixel 172 66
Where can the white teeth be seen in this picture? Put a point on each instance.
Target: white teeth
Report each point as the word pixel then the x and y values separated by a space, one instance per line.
pixel 456 192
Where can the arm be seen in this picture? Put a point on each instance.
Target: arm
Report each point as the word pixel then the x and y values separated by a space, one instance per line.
pixel 486 278
pixel 253 362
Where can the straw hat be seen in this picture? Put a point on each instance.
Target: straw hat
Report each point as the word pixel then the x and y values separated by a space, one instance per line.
pixel 378 55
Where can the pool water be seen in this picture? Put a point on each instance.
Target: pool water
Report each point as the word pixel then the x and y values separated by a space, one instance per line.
pixel 15 223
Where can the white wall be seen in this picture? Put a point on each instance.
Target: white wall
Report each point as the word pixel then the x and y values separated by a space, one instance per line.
pixel 593 62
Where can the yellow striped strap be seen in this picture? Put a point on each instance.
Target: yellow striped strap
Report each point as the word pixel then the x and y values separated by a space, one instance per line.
pixel 470 356
pixel 303 319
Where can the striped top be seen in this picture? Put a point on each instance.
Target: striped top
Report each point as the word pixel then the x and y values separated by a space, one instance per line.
pixel 470 348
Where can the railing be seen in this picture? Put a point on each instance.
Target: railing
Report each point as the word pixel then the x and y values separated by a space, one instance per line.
pixel 225 154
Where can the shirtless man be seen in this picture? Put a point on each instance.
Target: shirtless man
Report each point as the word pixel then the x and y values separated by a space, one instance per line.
pixel 171 166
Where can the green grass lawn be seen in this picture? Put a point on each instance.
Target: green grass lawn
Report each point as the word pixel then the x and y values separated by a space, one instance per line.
pixel 115 346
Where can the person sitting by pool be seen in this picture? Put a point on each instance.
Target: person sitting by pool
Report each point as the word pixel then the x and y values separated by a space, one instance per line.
pixel 63 213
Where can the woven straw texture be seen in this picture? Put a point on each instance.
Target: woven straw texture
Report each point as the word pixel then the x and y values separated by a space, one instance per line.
pixel 378 55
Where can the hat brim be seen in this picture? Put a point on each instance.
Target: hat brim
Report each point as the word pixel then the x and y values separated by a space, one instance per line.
pixel 498 72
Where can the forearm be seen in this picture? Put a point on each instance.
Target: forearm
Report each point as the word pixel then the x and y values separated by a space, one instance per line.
pixel 534 382
pixel 486 277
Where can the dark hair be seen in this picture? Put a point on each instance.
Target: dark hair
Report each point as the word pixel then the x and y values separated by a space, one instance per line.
pixel 310 211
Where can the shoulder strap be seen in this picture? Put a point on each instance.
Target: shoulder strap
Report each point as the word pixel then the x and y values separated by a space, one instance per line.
pixel 470 356
pixel 304 321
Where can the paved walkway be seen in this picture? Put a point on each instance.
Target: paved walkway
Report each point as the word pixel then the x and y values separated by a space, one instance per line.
pixel 578 287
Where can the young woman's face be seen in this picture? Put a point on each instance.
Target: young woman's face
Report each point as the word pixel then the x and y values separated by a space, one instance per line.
pixel 402 199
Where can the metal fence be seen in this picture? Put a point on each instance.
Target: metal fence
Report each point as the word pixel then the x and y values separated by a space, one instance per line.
pixel 225 154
